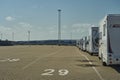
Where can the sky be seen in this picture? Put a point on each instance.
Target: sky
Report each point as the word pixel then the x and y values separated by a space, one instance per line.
pixel 40 17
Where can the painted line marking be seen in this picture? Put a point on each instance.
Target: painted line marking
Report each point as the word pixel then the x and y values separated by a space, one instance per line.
pixel 97 72
pixel 31 63
pixel 10 60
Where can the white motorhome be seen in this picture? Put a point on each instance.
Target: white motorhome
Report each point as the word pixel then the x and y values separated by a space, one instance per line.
pixel 93 40
pixel 87 43
pixel 77 43
pixel 109 39
pixel 84 43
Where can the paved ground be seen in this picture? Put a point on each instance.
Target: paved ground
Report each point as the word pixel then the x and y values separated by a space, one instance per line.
pixel 52 63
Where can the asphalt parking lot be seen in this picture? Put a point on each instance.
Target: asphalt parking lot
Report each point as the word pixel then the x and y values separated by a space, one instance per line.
pixel 52 63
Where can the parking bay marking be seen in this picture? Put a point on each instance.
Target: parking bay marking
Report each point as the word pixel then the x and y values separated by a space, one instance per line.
pixel 49 72
pixel 10 60
pixel 101 78
pixel 40 58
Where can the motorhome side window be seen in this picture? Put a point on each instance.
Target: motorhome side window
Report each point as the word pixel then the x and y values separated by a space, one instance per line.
pixel 104 29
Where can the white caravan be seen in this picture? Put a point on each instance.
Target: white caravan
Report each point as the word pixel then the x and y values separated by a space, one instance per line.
pixel 77 43
pixel 81 44
pixel 84 44
pixel 93 40
pixel 109 39
pixel 87 43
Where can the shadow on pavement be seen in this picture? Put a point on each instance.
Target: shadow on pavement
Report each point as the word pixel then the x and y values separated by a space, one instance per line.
pixel 85 60
pixel 116 67
pixel 87 65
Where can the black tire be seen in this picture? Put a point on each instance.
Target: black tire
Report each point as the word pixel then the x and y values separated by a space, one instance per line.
pixel 99 58
pixel 104 64
pixel 91 54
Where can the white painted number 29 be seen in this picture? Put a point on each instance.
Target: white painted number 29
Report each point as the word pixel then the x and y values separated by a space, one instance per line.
pixel 49 72
pixel 63 72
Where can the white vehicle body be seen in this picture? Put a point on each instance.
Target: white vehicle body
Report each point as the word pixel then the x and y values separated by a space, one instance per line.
pixel 109 40
pixel 84 43
pixel 87 43
pixel 81 44
pixel 77 43
pixel 93 40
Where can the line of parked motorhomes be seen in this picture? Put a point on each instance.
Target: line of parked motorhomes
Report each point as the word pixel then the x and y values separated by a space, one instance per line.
pixel 104 40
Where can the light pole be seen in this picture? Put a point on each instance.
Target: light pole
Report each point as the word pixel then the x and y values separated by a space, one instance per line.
pixel 28 37
pixel 71 36
pixel 59 27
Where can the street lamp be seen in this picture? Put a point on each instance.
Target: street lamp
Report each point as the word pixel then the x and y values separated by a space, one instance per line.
pixel 59 27
pixel 28 37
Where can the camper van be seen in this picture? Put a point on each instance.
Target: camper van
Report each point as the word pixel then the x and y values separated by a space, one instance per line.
pixel 87 43
pixel 93 40
pixel 77 43
pixel 84 43
pixel 109 39
pixel 81 44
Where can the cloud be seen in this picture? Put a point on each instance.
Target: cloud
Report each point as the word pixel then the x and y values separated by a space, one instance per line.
pixel 81 29
pixel 9 18
pixel 3 28
pixel 81 25
pixel 25 25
